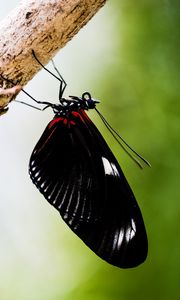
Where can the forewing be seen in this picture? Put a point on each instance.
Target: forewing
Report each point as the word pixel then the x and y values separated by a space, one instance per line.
pixel 122 232
pixel 75 170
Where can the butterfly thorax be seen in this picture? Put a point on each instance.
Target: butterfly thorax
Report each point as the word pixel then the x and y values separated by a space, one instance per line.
pixel 65 106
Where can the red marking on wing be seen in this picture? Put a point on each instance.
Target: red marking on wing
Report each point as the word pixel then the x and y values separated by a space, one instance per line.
pixel 54 121
pixel 81 115
pixel 46 141
pixel 70 120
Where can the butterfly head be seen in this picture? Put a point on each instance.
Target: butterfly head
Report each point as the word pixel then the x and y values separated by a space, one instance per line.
pixel 85 101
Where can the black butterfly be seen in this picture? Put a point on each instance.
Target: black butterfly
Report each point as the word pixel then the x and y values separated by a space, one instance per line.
pixel 75 170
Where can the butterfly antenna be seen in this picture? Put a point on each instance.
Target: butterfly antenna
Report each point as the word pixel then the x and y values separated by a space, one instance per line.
pixel 121 141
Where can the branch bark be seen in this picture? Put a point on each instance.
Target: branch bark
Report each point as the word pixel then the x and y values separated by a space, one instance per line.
pixel 44 26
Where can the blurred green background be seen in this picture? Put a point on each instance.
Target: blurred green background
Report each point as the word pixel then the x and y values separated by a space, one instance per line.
pixel 128 57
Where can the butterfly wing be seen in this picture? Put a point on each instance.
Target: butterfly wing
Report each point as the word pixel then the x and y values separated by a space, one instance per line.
pixel 75 170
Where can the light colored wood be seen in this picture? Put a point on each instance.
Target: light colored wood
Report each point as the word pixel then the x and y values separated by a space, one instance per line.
pixel 44 26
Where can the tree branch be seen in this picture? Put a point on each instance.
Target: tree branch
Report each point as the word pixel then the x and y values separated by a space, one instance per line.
pixel 44 26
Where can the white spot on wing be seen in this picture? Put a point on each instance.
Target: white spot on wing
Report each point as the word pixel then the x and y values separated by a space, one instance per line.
pixel 120 237
pixel 131 231
pixel 109 168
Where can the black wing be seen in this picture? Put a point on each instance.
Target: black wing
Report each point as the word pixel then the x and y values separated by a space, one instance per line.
pixel 77 173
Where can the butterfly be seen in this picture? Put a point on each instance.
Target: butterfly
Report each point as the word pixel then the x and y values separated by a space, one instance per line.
pixel 77 173
pixel 75 170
